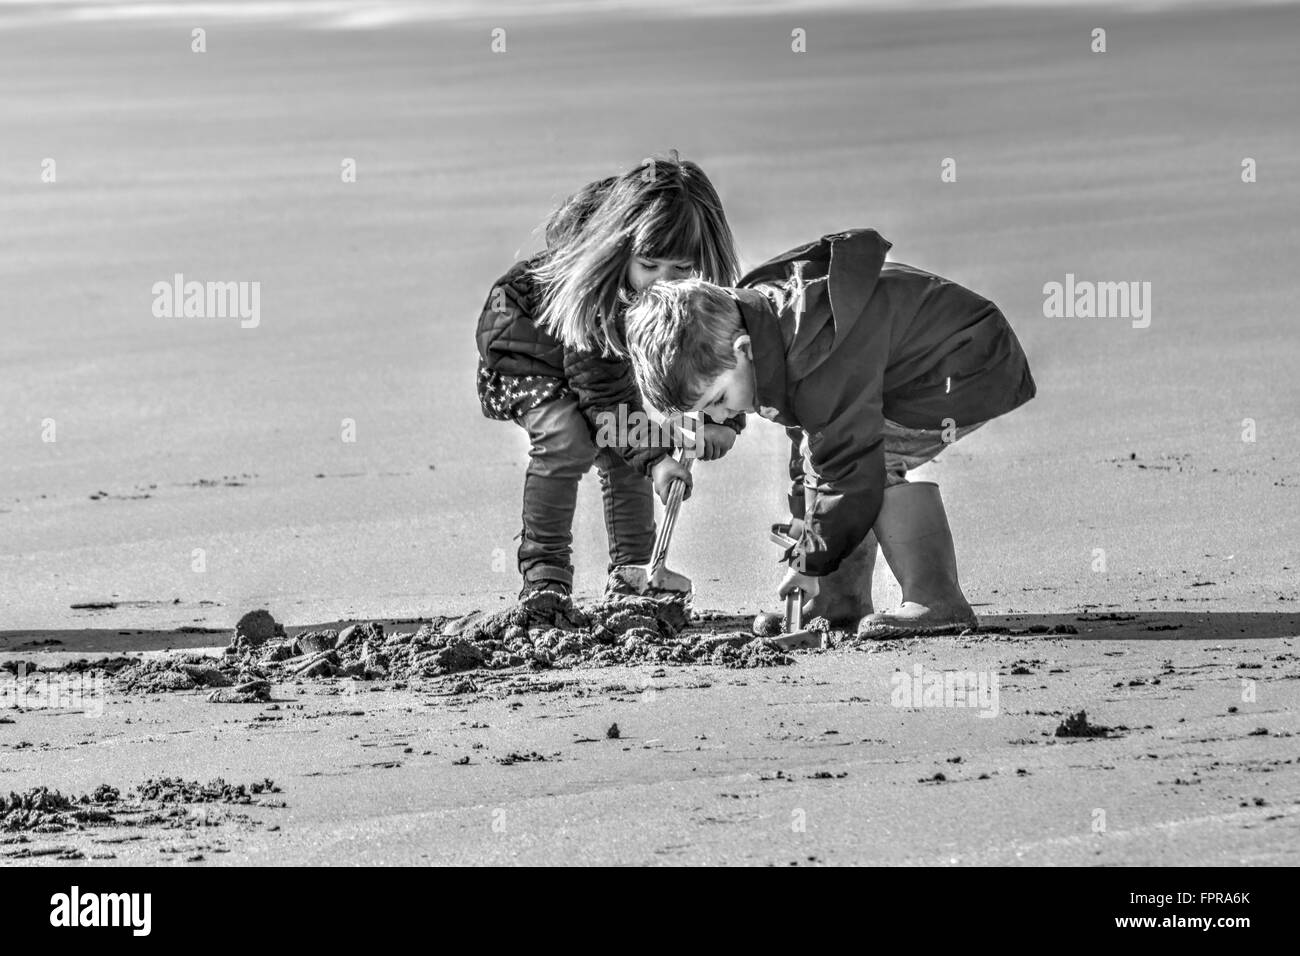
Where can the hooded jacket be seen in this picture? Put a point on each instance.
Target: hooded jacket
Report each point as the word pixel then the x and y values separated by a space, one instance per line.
pixel 842 340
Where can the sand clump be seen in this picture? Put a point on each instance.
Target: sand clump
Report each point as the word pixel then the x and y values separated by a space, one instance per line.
pixel 255 691
pixel 43 810
pixel 184 672
pixel 1077 725
pixel 176 790
pixel 257 627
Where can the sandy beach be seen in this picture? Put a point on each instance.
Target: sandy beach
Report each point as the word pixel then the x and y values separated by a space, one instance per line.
pixel 198 469
pixel 718 766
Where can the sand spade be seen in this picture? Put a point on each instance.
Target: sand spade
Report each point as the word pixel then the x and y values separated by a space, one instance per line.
pixel 655 577
pixel 795 635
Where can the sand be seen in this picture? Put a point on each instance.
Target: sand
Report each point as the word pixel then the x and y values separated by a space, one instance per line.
pixel 199 469
pixel 805 765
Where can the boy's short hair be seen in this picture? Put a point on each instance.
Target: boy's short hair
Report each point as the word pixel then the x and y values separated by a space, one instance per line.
pixel 680 336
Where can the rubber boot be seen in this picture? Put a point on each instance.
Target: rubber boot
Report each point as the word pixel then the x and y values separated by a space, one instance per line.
pixel 917 543
pixel 845 595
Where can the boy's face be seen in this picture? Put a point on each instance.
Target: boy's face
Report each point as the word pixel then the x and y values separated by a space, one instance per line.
pixel 732 392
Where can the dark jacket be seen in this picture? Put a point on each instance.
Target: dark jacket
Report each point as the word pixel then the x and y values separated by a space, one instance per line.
pixel 843 340
pixel 509 340
pixel 522 365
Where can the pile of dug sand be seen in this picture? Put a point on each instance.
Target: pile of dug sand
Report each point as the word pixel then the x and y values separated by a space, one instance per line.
pixel 46 810
pixel 42 810
pixel 545 630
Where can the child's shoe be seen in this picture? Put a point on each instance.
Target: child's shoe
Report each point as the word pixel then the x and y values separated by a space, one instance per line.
pixel 631 579
pixel 532 587
pixel 917 542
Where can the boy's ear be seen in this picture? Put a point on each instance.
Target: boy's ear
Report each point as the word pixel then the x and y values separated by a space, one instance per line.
pixel 743 347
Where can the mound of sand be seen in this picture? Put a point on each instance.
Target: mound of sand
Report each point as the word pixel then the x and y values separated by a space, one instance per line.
pixel 545 630
pixel 42 810
pixel 176 790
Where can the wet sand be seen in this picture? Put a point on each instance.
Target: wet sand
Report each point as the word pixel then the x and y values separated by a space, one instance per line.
pixel 809 764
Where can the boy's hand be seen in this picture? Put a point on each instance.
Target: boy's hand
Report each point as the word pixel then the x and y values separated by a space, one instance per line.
pixel 713 441
pixel 663 474
pixel 810 586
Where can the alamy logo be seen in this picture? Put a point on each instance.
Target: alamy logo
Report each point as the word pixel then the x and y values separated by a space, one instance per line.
pixel 623 428
pixel 179 299
pixel 102 909
pixel 54 691
pixel 931 688
pixel 1084 299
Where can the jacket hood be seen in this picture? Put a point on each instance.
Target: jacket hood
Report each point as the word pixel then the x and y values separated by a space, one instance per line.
pixel 851 262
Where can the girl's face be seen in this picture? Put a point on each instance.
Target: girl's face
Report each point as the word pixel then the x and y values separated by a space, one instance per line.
pixel 644 271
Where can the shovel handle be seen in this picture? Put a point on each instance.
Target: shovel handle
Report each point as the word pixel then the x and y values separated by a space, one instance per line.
pixel 794 611
pixel 659 556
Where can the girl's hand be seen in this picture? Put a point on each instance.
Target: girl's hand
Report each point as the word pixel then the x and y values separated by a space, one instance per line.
pixel 713 441
pixel 665 472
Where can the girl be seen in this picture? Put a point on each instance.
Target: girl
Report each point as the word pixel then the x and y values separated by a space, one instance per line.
pixel 551 360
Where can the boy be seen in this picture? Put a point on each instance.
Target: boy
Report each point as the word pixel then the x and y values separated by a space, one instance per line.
pixel 873 367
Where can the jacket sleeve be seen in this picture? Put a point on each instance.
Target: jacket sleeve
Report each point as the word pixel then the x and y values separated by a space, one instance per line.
pixel 843 471
pixel 608 397
pixel 736 423
pixel 506 305
pixel 796 496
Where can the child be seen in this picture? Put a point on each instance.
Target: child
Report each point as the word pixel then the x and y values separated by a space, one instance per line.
pixel 549 338
pixel 877 366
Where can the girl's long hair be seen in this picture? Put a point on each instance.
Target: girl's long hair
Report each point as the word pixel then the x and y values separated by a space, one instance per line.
pixel 665 208
pixel 567 221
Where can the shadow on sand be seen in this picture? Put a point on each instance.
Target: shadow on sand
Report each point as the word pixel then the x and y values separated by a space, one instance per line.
pixel 1109 626
pixel 122 640
pixel 1145 625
